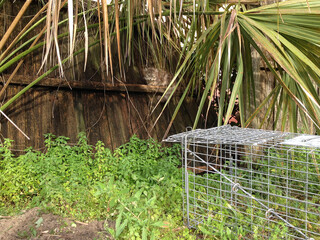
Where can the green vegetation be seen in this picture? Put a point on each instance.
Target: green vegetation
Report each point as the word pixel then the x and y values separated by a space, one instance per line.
pixel 231 219
pixel 284 180
pixel 138 188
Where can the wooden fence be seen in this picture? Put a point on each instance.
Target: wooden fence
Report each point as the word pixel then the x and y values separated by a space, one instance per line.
pixel 105 112
pixel 108 113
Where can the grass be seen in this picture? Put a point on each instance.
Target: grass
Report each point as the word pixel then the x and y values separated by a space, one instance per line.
pixel 138 187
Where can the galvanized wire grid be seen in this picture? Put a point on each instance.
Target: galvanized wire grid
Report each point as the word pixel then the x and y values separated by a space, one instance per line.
pixel 254 182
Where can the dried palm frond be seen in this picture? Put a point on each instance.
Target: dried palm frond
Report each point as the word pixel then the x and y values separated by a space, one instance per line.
pixel 207 45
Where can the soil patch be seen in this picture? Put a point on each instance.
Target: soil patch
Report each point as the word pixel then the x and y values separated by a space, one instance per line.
pixel 33 224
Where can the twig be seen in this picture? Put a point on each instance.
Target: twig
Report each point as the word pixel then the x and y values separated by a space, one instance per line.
pixel 134 107
pixel 14 124
pixel 82 223
pixel 129 210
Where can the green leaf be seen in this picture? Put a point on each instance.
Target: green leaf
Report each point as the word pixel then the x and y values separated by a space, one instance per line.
pixel 236 88
pixel 159 224
pixel 120 228
pixel 144 233
pixel 39 222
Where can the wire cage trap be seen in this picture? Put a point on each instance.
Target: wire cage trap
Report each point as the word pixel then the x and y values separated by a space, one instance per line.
pixel 254 184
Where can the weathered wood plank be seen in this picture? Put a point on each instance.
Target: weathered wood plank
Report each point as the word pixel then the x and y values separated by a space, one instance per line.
pixel 69 116
pixel 119 117
pixel 93 109
pixel 181 122
pixel 36 125
pixel 86 85
pixel 17 115
pixel 159 128
pixel 59 125
pixel 48 110
pixel 104 124
pixel 114 119
pixel 138 115
pixel 123 111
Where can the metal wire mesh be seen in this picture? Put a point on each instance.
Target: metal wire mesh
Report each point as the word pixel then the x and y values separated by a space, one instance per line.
pixel 258 184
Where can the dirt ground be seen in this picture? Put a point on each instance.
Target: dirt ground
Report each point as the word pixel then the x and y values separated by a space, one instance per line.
pixel 33 224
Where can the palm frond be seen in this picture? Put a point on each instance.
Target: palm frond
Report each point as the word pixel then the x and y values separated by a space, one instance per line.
pixel 207 45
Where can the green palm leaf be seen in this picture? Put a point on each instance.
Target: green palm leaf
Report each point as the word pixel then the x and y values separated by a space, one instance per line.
pixel 207 46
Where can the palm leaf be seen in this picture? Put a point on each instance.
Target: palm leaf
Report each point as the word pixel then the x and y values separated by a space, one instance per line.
pixel 203 44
